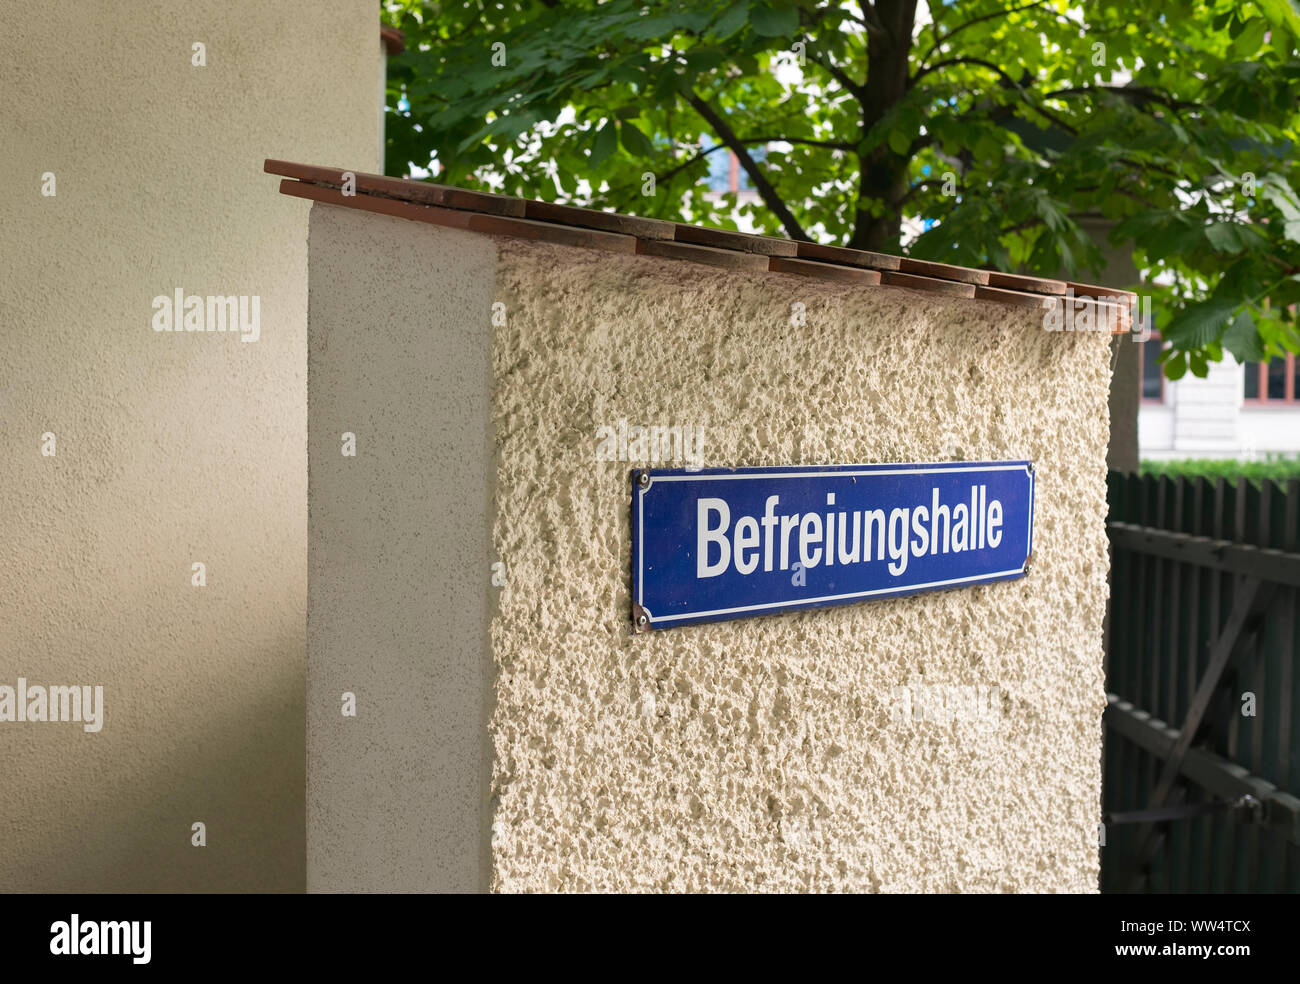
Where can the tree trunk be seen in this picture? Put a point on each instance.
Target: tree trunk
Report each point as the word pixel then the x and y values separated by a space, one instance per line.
pixel 882 174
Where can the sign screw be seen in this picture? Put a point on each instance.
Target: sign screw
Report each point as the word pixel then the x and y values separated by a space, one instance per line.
pixel 642 621
pixel 644 480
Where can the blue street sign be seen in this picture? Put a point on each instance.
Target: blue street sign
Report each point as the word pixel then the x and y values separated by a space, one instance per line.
pixel 723 543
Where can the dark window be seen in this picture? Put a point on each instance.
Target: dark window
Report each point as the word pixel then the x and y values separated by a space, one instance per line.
pixel 1153 379
pixel 1277 379
pixel 1274 381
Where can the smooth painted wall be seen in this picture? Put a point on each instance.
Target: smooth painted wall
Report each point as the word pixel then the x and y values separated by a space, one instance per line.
pixel 1125 359
pixel 171 448
pixel 400 554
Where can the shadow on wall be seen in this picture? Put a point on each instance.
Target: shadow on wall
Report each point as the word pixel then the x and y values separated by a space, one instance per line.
pixel 136 838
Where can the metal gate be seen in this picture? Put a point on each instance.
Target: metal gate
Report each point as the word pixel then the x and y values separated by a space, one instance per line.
pixel 1202 752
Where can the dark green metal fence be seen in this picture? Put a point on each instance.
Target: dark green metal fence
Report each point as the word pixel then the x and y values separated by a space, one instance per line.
pixel 1202 747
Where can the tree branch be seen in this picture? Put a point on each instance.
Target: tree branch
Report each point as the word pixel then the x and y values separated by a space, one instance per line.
pixel 853 17
pixel 1138 93
pixel 1081 189
pixel 871 18
pixel 838 74
pixel 919 143
pixel 1008 82
pixel 939 42
pixel 833 144
pixel 809 19
pixel 963 60
pixel 919 186
pixel 1026 224
pixel 764 187
pixel 674 171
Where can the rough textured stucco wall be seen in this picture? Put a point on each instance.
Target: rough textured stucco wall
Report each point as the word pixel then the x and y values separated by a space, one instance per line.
pixel 399 554
pixel 171 448
pixel 761 754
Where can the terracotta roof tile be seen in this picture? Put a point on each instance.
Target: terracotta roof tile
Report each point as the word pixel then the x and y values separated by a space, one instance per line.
pixel 825 271
pixel 1035 285
pixel 727 239
pixel 594 219
pixel 730 258
pixel 503 215
pixel 950 287
pixel 384 206
pixel 849 257
pixel 402 190
pixel 394 41
pixel 1092 290
pixel 944 271
pixel 1017 297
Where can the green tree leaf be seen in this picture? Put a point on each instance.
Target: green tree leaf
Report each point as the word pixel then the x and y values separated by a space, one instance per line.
pixel 733 19
pixel 634 141
pixel 1199 324
pixel 1044 146
pixel 1242 338
pixel 1224 236
pixel 774 20
pixel 605 143
pixel 1176 366
pixel 1250 39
